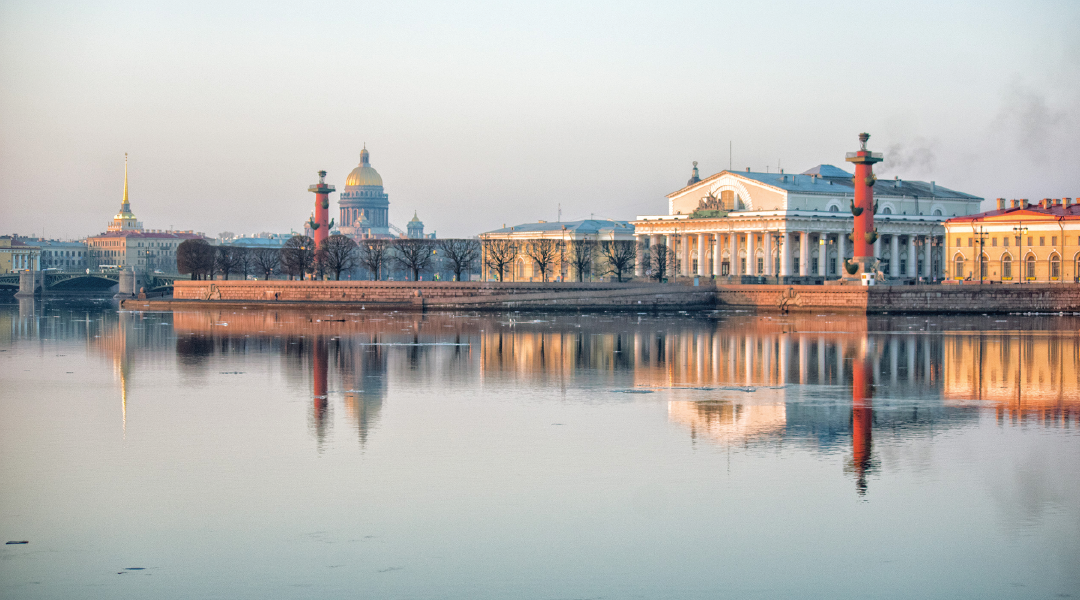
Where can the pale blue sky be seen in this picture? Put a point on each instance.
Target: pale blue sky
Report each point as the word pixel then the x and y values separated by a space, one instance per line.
pixel 479 114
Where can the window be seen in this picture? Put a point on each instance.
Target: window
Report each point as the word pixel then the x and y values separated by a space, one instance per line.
pixel 903 266
pixel 1053 240
pixel 1006 267
pixel 834 208
pixel 957 242
pixel 937 212
pixel 760 264
pixel 886 211
pixel 1055 267
pixel 1005 241
pixel 993 242
pixel 969 242
pixel 1030 267
pixel 1031 241
pixel 742 265
pixel 983 271
pixel 1042 241
pixel 959 274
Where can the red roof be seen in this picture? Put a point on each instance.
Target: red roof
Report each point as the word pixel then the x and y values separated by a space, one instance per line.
pixel 1034 212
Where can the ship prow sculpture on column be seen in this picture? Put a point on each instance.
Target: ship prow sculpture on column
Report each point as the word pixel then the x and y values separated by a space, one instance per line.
pixel 320 222
pixel 863 209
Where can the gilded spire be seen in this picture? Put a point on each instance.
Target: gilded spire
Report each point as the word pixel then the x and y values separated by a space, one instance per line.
pixel 125 179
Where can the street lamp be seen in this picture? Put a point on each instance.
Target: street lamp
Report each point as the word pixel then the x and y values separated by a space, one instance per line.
pixel 1020 231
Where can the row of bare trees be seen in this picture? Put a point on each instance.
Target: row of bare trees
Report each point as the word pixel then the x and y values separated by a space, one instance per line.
pixel 615 257
pixel 298 258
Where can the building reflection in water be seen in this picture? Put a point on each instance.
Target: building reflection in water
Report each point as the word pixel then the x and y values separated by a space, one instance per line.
pixel 730 380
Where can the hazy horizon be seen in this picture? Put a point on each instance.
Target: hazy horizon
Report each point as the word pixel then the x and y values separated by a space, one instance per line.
pixel 478 115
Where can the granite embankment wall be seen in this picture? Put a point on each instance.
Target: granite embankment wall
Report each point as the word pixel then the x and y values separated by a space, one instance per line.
pixel 449 295
pixel 904 299
pixel 631 296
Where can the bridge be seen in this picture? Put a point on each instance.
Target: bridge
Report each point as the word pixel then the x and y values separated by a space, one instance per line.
pixel 81 282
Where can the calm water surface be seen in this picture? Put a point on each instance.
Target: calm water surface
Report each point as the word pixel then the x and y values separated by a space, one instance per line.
pixel 256 454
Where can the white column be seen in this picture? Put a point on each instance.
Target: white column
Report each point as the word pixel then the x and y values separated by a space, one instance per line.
pixel 684 252
pixel 822 255
pixel 804 253
pixel 733 251
pixel 785 254
pixel 767 246
pixel 841 243
pixel 717 255
pixel 927 249
pixel 751 254
pixel 702 254
pixel 894 259
pixel 912 258
pixel 877 248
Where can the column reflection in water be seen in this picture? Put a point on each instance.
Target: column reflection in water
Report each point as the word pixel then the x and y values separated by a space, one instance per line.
pixel 319 404
pixel 862 414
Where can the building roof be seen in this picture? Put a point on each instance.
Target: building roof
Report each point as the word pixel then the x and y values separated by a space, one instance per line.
pixel 1033 212
pixel 143 235
pixel 827 171
pixel 827 179
pixel 583 227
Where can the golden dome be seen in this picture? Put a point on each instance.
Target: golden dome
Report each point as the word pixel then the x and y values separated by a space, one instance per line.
pixel 363 174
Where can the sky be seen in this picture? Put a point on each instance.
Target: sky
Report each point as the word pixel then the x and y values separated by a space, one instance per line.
pixel 484 114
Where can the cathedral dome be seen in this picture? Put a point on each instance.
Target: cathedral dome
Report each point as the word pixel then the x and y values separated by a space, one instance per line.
pixel 364 174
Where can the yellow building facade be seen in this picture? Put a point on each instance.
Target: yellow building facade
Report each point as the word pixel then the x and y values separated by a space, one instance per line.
pixel 1017 242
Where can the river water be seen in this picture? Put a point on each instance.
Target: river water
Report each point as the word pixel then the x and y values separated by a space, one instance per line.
pixel 359 454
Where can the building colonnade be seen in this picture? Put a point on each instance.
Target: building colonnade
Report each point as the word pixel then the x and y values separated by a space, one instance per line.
pixel 787 253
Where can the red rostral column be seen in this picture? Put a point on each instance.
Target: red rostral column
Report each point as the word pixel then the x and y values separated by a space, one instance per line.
pixel 862 208
pixel 321 223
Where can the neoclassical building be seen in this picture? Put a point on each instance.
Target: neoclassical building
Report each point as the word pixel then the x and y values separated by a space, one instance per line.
pixel 1017 242
pixel 365 207
pixel 790 228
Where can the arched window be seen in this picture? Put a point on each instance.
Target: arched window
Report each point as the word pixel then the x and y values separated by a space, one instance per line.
pixel 984 270
pixel 1030 274
pixel 886 211
pixel 959 273
pixel 1006 268
pixel 834 208
pixel 937 212
pixel 1055 268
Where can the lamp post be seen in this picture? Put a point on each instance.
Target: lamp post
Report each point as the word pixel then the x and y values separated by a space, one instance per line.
pixel 980 234
pixel 1020 231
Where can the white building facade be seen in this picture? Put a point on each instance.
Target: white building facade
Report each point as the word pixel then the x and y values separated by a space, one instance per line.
pixel 782 228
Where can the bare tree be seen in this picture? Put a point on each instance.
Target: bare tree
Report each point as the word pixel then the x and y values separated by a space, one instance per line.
pixel 196 257
pixel 374 255
pixel 265 260
pixel 543 253
pixel 244 261
pixel 227 260
pixel 461 253
pixel 298 256
pixel 619 256
pixel 661 261
pixel 499 254
pixel 414 255
pixel 338 253
pixel 581 257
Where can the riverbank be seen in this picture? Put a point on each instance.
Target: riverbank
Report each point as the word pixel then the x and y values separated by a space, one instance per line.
pixel 489 296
